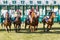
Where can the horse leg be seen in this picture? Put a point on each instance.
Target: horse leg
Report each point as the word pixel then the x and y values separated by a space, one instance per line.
pixel 44 26
pixel 30 28
pixel 10 28
pixel 2 25
pixel 48 28
pixel 34 27
pixel 51 26
pixel 37 27
pixel 25 25
pixel 19 27
pixel 7 29
pixel 15 28
pixel 14 23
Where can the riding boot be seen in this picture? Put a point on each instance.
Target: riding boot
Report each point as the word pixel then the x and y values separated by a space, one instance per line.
pixel 2 25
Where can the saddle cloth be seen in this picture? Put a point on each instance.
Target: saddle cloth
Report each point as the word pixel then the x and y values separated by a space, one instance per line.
pixel 46 19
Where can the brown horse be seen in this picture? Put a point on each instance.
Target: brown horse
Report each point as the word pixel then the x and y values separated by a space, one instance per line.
pixel 27 22
pixel 48 21
pixel 7 22
pixel 17 22
pixel 33 22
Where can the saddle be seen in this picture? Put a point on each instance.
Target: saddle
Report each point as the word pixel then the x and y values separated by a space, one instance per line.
pixel 46 18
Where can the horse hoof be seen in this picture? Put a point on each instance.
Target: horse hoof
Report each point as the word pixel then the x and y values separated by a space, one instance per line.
pixel 48 30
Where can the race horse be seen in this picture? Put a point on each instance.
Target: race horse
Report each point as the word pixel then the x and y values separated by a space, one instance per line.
pixel 17 22
pixel 7 22
pixel 49 21
pixel 27 22
pixel 32 24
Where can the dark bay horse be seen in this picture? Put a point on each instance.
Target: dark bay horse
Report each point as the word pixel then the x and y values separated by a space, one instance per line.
pixel 48 21
pixel 27 22
pixel 32 24
pixel 17 22
pixel 7 22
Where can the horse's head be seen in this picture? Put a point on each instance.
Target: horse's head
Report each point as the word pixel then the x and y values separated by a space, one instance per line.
pixel 7 14
pixel 17 18
pixel 53 14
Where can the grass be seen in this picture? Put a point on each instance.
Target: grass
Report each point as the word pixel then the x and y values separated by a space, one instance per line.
pixel 38 35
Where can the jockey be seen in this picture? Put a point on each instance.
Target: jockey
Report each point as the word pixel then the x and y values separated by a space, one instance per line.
pixel 37 13
pixel 32 10
pixel 17 13
pixel 3 12
pixel 32 14
pixel 7 15
pixel 11 12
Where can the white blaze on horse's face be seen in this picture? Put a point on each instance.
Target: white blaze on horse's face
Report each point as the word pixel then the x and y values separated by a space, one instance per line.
pixel 53 14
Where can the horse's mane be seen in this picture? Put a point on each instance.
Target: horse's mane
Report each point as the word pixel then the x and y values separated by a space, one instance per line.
pixel 50 14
